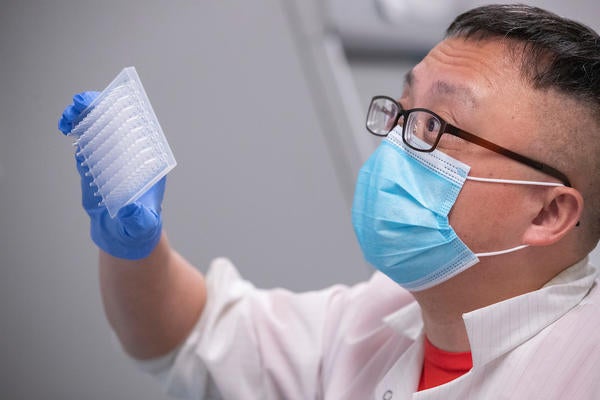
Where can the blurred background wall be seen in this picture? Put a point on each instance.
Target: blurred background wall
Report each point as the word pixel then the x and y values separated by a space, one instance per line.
pixel 263 103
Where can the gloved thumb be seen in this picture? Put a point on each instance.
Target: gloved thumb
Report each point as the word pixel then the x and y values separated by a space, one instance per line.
pixel 139 222
pixel 132 234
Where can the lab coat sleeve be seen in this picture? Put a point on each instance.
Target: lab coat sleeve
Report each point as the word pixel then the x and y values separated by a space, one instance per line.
pixel 249 343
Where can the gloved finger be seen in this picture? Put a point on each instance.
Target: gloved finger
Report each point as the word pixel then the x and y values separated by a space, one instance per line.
pixel 65 124
pixel 80 102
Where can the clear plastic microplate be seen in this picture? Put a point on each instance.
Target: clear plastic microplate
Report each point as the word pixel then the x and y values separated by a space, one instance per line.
pixel 122 143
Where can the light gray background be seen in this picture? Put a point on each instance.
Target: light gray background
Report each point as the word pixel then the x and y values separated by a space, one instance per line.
pixel 264 174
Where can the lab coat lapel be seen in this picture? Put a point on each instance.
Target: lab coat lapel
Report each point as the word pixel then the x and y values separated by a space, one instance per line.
pixel 402 380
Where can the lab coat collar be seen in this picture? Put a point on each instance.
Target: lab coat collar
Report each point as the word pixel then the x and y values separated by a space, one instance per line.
pixel 527 314
pixel 403 377
pixel 499 328
pixel 493 330
pixel 403 321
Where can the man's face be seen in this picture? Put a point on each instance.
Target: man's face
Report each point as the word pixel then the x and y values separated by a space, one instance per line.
pixel 477 86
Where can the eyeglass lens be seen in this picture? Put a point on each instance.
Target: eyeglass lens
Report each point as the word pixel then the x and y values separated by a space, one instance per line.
pixel 421 129
pixel 382 116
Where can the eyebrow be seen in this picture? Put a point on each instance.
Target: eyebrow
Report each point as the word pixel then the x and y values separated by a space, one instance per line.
pixel 408 78
pixel 442 88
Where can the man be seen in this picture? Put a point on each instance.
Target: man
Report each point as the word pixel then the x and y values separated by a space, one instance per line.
pixel 479 209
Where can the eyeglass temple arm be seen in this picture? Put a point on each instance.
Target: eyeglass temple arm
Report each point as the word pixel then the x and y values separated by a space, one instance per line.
pixel 510 154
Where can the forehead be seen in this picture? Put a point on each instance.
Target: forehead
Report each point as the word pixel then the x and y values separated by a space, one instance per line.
pixel 476 85
pixel 458 66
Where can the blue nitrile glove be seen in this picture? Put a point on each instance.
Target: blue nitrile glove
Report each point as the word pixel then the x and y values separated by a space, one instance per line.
pixel 136 229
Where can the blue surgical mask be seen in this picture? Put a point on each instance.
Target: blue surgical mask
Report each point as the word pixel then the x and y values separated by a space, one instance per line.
pixel 400 214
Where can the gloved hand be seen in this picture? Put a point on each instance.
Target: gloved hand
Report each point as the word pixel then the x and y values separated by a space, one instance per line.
pixel 136 229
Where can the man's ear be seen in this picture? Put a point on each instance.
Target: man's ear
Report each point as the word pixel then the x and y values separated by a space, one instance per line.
pixel 560 211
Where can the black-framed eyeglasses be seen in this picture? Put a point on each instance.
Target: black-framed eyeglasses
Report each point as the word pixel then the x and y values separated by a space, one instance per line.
pixel 422 130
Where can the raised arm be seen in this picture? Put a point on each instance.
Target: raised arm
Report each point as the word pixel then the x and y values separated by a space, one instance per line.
pixel 151 303
pixel 152 296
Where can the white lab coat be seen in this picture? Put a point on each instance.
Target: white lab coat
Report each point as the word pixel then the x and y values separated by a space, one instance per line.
pixel 366 342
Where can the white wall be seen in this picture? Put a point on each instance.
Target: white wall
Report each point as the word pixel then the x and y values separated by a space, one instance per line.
pixel 255 180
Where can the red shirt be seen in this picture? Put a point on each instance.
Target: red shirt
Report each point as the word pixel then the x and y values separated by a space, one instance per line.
pixel 441 366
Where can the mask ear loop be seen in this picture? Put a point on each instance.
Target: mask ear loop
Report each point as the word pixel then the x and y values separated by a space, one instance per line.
pixel 515 182
pixel 497 253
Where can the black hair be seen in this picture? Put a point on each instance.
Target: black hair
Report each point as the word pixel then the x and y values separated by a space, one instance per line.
pixel 558 53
